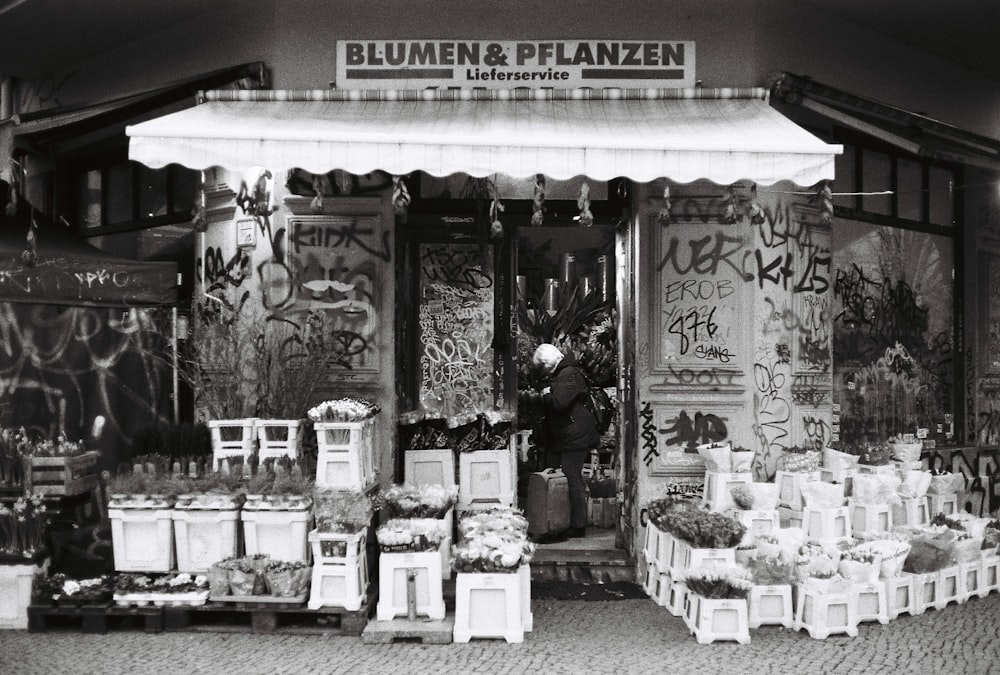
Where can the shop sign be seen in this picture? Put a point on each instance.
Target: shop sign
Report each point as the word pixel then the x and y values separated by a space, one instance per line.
pixel 465 64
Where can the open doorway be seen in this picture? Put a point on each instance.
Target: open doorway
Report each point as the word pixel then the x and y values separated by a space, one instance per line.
pixel 565 295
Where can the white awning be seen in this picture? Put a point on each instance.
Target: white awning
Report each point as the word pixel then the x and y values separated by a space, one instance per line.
pixel 684 139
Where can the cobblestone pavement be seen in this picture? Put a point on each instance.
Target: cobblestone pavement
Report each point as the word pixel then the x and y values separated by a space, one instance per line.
pixel 629 636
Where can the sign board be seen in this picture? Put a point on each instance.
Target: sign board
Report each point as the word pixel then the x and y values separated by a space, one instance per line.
pixel 508 64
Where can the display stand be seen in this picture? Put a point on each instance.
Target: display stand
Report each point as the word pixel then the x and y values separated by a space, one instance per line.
pixel 827 524
pixel 142 539
pixel 970 580
pixel 990 579
pixel 771 605
pixel 870 519
pixel 901 595
pixel 911 512
pixel 429 467
pixel 488 606
pixel 278 438
pixel 397 571
pixel 15 594
pixel 718 619
pixel 280 534
pixel 340 569
pixel 203 537
pixel 946 504
pixel 231 438
pixel 757 522
pixel 871 602
pixel 790 487
pixel 345 454
pixel 823 613
pixel 717 496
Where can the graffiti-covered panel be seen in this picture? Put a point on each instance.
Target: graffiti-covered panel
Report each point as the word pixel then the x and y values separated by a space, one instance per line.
pixel 893 342
pixel 670 433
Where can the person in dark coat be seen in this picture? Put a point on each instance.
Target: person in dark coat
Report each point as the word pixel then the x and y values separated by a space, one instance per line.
pixel 571 430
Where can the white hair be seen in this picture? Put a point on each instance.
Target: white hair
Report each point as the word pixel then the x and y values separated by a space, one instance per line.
pixel 547 357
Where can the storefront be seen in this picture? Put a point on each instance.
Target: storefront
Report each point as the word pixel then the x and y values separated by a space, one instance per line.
pixel 679 180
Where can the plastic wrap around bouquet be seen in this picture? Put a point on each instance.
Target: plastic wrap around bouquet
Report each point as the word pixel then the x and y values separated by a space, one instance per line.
pixel 419 501
pixel 931 550
pixel 861 565
pixel 891 553
pixel 914 484
pixel 411 534
pixel 723 583
pixel 876 489
pixel 343 410
pixel 478 523
pixel 723 458
pixel 819 495
pixel 756 496
pixel 946 484
pixel 839 461
pixel 905 448
pixel 798 460
pixel 492 542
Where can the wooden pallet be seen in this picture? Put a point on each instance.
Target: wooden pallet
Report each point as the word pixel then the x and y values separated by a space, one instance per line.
pixel 270 617
pixel 93 618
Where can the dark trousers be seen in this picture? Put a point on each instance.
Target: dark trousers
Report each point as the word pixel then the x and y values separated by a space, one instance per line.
pixel 572 466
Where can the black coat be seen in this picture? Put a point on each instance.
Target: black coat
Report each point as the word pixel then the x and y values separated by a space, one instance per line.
pixel 569 424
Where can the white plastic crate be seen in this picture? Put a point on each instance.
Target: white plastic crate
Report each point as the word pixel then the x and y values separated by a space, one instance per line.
pixel 901 594
pixel 926 591
pixel 949 587
pixel 650 579
pixel 204 537
pixel 757 522
pixel 651 543
pixel 990 580
pixel 488 606
pixel 911 512
pixel 345 454
pixel 771 605
pixel 392 583
pixel 946 504
pixel 790 487
pixel 717 496
pixel 663 557
pixel 142 539
pixel 843 477
pixel 883 469
pixel 871 601
pixel 824 614
pixel 337 548
pixel 700 558
pixel 15 594
pixel 970 579
pixel 232 438
pixel 527 618
pixel 827 524
pixel 278 438
pixel 789 517
pixel 719 619
pixel 672 595
pixel 869 519
pixel 343 585
pixel 486 479
pixel 282 535
pixel 429 467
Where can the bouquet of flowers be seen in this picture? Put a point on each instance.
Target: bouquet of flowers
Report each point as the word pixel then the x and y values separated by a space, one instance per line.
pixel 657 508
pixel 287 579
pixel 729 583
pixel 742 497
pixel 343 410
pixel 419 501
pixel 941 520
pixel 342 511
pixel 798 459
pixel 22 528
pixel 860 564
pixel 931 550
pixel 411 534
pixel 506 522
pixel 703 529
pixel 768 571
pixel 60 589
pixel 126 584
pixel 489 552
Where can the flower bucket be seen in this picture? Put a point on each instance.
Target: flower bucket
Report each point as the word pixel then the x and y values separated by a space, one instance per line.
pixel 15 594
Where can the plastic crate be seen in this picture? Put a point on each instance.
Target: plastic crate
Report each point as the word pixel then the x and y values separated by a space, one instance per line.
pixel 142 539
pixel 282 535
pixel 15 594
pixel 926 591
pixel 790 487
pixel 204 537
pixel 901 594
pixel 345 454
pixel 278 438
pixel 911 512
pixel 843 477
pixel 870 519
pixel 827 524
pixel 990 579
pixel 701 558
pixel 950 587
pixel 871 602
pixel 717 496
pixel 970 580
pixel 757 522
pixel 771 605
pixel 486 479
pixel 393 569
pixel 823 614
pixel 343 585
pixel 488 606
pixel 429 467
pixel 527 618
pixel 337 548
pixel 232 438
pixel 718 619
pixel 946 504
pixel 672 595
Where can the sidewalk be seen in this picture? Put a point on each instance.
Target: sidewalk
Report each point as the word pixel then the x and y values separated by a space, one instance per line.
pixel 573 637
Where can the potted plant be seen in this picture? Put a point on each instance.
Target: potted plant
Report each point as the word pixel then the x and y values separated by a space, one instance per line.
pixel 277 514
pixel 206 520
pixel 342 521
pixel 166 589
pixel 140 507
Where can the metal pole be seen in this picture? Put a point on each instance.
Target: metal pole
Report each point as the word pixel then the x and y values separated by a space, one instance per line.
pixel 173 357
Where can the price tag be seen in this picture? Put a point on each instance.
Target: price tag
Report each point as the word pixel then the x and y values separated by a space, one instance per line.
pixel 922 433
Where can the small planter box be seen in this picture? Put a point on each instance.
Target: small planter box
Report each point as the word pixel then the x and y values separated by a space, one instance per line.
pixel 393 570
pixel 488 606
pixel 790 487
pixel 869 519
pixel 278 438
pixel 757 522
pixel 282 535
pixel 231 439
pixel 911 512
pixel 823 613
pixel 15 594
pixel 344 585
pixel 486 479
pixel 717 496
pixel 204 537
pixel 429 467
pixel 346 454
pixel 142 539
pixel 63 476
pixel 716 619
pixel 827 524
pixel 771 605
pixel 700 558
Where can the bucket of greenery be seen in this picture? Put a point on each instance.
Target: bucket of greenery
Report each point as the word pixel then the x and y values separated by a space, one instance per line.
pixel 277 514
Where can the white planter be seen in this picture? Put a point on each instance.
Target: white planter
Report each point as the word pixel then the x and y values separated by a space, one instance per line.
pixel 717 496
pixel 15 594
pixel 282 535
pixel 790 487
pixel 204 537
pixel 142 539
pixel 486 479
pixel 337 548
pixel 429 467
pixel 827 524
pixel 488 606
pixel 393 569
pixel 344 585
pixel 278 438
pixel 346 454
pixel 231 438
pixel 718 619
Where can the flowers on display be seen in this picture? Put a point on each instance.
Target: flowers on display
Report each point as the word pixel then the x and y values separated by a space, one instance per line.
pixel 419 501
pixel 492 541
pixel 941 519
pixel 703 529
pixel 507 522
pixel 727 583
pixel 411 534
pixel 60 588
pixel 657 508
pixel 342 511
pixel 164 583
pixel 22 528
pixel 742 496
pixel 343 410
pixel 769 571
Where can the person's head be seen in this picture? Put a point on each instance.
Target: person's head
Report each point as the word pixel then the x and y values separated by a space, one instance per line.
pixel 547 358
